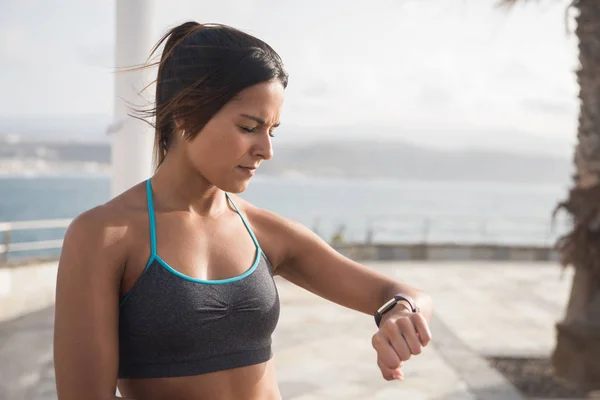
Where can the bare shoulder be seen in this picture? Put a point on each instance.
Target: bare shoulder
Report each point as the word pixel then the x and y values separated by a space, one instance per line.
pixel 262 217
pixel 101 225
pixel 86 316
pixel 102 232
pixel 277 235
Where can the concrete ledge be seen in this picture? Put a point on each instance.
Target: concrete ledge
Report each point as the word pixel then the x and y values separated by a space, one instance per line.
pixel 30 285
pixel 26 288
pixel 445 252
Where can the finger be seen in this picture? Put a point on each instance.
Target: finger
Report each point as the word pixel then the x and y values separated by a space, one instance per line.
pixel 388 373
pixel 410 335
pixel 397 341
pixel 385 351
pixel 422 328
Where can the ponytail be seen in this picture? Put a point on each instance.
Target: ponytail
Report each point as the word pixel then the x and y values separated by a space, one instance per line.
pixel 164 126
pixel 202 67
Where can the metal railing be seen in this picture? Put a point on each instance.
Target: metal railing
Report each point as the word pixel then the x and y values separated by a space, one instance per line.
pixel 458 229
pixel 387 228
pixel 8 246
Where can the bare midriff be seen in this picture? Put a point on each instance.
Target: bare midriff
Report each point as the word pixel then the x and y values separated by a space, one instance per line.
pixel 255 382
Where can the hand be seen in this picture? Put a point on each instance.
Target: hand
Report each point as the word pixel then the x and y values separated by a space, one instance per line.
pixel 401 334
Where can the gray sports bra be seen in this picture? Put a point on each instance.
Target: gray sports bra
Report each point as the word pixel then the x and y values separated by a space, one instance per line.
pixel 172 325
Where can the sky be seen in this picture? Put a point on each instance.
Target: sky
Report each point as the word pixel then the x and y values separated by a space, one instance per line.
pixel 440 70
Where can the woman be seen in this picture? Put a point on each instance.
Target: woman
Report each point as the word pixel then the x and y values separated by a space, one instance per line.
pixel 167 290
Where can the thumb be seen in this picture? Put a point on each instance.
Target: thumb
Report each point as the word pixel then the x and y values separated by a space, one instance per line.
pixel 397 374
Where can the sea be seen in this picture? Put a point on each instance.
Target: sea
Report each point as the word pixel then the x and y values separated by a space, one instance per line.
pixel 354 210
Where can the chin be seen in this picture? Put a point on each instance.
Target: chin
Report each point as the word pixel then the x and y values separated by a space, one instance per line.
pixel 236 187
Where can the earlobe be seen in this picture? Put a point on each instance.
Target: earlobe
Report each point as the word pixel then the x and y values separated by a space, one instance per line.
pixel 179 127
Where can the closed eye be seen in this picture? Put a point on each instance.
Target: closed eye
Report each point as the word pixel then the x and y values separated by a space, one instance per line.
pixel 248 130
pixel 253 130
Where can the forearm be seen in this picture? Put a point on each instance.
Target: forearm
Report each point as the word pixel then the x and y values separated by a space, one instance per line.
pixel 109 398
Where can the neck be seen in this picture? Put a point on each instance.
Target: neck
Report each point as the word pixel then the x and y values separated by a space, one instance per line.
pixel 179 187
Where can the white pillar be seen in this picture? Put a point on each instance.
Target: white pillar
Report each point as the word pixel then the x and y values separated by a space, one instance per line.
pixel 132 140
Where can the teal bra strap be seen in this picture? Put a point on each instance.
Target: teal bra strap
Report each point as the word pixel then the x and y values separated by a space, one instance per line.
pixel 244 221
pixel 153 221
pixel 151 217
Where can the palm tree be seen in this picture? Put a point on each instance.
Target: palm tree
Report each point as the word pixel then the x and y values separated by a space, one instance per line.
pixel 576 357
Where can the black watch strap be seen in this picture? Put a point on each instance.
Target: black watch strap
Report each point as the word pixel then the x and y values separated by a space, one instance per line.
pixel 391 304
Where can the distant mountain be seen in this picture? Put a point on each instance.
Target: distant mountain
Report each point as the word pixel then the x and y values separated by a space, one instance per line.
pixel 398 160
pixel 367 159
pixel 93 128
pixel 57 128
pixel 502 140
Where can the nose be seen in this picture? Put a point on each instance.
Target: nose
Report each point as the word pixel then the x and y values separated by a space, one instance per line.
pixel 264 147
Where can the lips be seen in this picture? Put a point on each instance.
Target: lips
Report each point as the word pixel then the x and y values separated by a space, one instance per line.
pixel 249 171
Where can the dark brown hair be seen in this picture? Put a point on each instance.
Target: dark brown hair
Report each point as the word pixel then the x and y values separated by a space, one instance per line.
pixel 202 67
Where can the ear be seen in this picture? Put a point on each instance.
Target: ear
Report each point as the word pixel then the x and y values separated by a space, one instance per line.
pixel 178 125
pixel 179 131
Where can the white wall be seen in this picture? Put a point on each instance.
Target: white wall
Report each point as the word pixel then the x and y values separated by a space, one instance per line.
pixel 26 288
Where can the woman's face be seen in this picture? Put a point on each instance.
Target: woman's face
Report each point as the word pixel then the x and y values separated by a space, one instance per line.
pixel 231 146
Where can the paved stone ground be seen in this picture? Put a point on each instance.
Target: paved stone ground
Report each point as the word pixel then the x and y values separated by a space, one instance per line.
pixel 26 370
pixel 323 351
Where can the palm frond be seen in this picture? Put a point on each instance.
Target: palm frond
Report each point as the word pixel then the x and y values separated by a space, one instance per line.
pixel 508 4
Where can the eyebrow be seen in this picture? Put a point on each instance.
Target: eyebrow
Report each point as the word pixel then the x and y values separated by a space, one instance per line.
pixel 259 120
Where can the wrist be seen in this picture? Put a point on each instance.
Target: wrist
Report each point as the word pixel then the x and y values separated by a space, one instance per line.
pixel 404 306
pixel 398 303
pixel 401 307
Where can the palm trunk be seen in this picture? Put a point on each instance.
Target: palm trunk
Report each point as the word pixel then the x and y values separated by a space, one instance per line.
pixel 576 357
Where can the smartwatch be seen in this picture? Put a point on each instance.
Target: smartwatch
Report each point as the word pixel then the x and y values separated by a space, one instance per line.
pixel 392 303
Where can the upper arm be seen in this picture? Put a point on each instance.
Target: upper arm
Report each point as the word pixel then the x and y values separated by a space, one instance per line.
pixel 303 258
pixel 86 314
pixel 313 264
